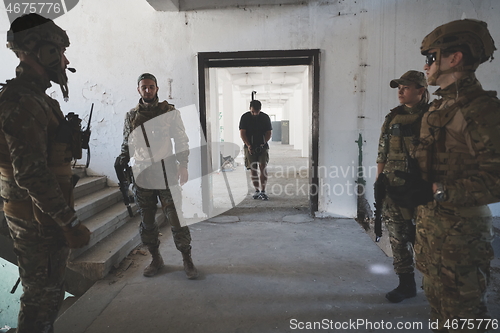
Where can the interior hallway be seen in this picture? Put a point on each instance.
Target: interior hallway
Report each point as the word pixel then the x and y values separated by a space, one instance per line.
pixel 287 185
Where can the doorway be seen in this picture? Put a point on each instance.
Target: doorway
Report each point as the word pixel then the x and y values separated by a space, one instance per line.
pixel 236 62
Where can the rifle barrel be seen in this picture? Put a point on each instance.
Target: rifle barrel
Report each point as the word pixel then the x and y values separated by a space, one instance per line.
pixel 90 116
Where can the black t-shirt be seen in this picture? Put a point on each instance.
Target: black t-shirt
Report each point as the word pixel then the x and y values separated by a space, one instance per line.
pixel 256 127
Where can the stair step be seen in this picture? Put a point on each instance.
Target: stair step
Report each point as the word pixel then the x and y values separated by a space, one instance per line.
pixel 104 223
pixel 79 170
pixel 94 203
pixel 96 263
pixel 88 185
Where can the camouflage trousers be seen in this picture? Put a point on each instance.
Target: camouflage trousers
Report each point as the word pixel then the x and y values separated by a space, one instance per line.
pixel 42 256
pixel 453 251
pixel 147 201
pixel 401 235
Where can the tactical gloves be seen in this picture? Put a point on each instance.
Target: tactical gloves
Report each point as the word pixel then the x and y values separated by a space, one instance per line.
pixel 413 193
pixel 77 235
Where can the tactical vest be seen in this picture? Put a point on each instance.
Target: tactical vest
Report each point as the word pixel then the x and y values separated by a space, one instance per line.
pixel 139 118
pixel 436 164
pixel 59 153
pixel 157 135
pixel 403 129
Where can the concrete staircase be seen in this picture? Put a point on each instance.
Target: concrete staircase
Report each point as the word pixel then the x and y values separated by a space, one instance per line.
pixel 114 233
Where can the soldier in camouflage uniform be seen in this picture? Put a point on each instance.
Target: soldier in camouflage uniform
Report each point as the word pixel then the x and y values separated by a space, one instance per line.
pixel 400 129
pixel 148 108
pixel 459 156
pixel 35 170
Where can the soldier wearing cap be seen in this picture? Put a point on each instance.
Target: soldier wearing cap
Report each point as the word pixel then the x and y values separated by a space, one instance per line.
pixel 35 170
pixel 400 128
pixel 150 107
pixel 459 159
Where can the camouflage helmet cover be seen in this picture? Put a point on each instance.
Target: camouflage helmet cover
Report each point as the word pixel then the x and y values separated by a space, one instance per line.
pixel 27 32
pixel 473 33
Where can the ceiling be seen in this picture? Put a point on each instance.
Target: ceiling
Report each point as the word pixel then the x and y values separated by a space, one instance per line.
pixel 187 5
pixel 274 85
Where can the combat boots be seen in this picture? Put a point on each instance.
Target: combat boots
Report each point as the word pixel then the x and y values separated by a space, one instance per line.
pixel 191 271
pixel 156 264
pixel 406 289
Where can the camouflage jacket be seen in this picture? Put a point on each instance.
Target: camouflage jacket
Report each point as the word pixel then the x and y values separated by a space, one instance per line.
pixel 31 159
pixel 174 129
pixel 460 143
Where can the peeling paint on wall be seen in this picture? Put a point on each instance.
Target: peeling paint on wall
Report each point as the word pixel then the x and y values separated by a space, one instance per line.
pixel 95 92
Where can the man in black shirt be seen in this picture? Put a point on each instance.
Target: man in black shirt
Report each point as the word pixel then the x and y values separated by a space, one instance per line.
pixel 255 131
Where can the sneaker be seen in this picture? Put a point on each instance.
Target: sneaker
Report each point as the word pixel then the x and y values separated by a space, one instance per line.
pixel 256 195
pixel 264 196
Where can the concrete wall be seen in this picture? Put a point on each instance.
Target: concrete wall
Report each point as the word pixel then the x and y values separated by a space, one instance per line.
pixel 364 44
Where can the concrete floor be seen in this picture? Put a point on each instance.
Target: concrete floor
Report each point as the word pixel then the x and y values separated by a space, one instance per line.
pixel 273 269
pixel 287 186
pixel 255 276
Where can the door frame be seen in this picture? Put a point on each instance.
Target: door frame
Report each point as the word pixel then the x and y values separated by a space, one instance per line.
pixel 311 58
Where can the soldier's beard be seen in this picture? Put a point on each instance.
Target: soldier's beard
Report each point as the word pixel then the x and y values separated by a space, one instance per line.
pixel 59 77
pixel 149 100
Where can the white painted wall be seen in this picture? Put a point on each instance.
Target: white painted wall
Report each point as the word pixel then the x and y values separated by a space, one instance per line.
pixel 297 111
pixel 364 44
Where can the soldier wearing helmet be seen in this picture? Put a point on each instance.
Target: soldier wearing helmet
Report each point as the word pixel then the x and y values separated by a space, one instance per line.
pixel 459 159
pixel 44 42
pixel 400 129
pixel 35 170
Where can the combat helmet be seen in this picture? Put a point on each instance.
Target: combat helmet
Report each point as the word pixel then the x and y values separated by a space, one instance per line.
pixel 41 37
pixel 468 32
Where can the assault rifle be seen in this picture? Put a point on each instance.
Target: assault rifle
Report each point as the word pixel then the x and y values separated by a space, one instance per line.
pixel 380 192
pixel 86 137
pixel 125 178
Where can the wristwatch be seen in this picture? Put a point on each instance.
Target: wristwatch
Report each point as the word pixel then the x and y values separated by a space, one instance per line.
pixel 440 194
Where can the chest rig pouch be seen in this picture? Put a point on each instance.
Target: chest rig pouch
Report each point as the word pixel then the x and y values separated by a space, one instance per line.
pixel 402 131
pixel 404 128
pixel 67 143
